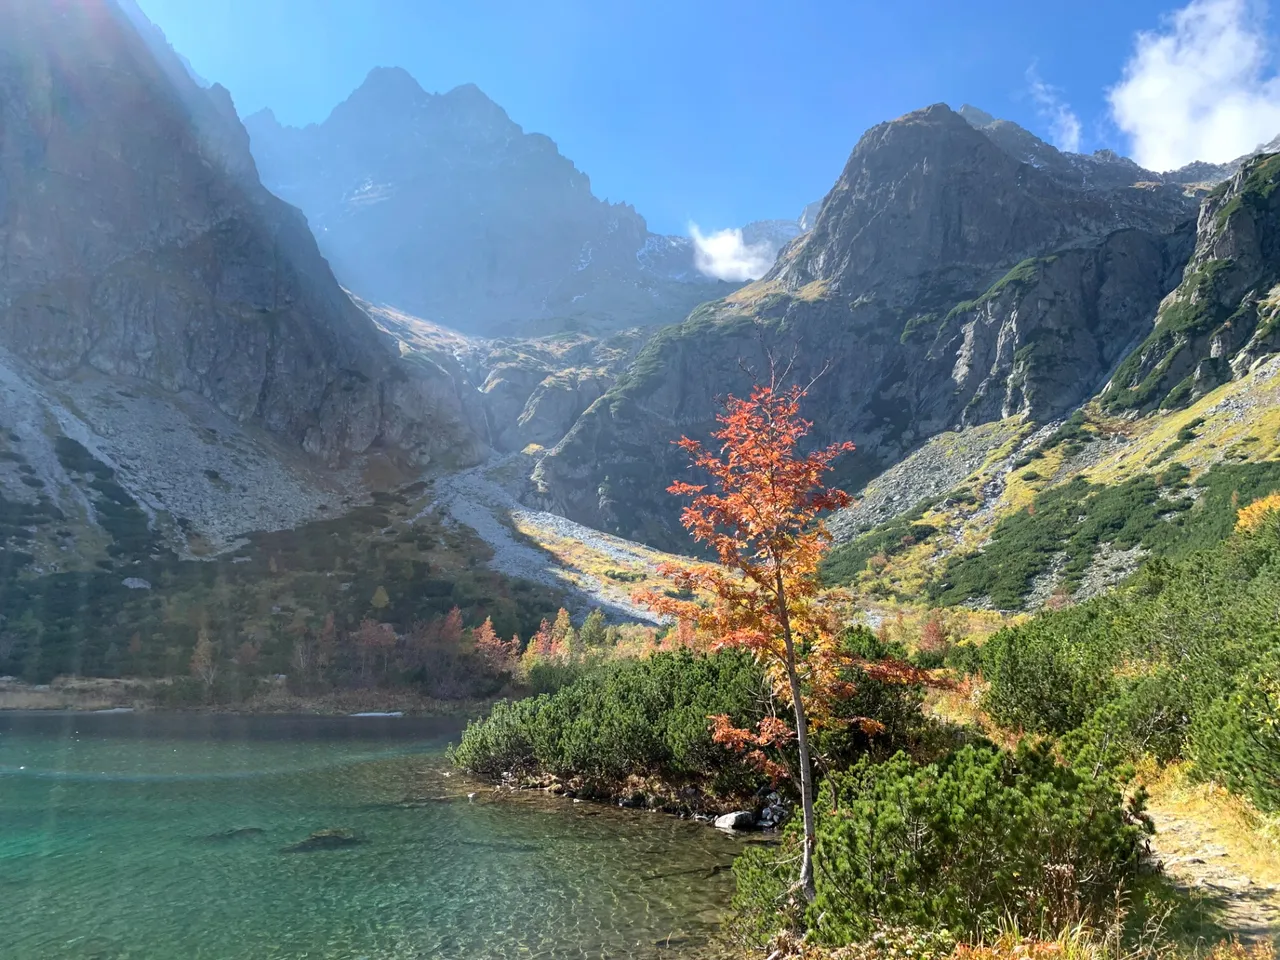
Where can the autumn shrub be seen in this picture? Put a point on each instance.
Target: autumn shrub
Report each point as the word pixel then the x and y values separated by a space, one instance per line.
pixel 982 837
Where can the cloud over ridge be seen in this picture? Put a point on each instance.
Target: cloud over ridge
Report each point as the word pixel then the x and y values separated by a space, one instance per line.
pixel 726 256
pixel 1201 87
pixel 1064 124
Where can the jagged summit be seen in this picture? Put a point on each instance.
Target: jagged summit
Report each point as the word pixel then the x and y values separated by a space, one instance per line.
pixel 975 115
pixel 1104 165
pixel 441 205
pixel 931 195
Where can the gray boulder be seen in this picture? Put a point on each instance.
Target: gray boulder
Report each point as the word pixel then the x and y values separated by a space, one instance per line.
pixel 738 820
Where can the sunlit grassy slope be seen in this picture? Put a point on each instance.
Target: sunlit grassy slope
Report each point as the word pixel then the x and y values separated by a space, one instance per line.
pixel 1069 510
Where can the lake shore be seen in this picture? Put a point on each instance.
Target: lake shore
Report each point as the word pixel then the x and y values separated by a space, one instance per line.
pixel 94 694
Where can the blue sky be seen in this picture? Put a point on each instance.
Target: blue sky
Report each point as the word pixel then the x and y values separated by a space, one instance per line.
pixel 723 112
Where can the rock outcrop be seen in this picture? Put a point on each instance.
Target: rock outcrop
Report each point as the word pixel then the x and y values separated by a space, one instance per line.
pixel 945 281
pixel 444 207
pixel 1225 314
pixel 136 240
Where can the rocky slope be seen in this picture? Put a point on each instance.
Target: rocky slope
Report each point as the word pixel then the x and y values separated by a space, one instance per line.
pixel 1015 513
pixel 136 240
pixel 529 390
pixel 442 206
pixel 947 280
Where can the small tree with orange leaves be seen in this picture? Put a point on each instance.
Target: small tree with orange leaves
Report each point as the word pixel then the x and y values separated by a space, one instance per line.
pixel 498 655
pixel 762 518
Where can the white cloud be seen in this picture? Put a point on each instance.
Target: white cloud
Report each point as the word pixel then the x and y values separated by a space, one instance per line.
pixel 726 256
pixel 1201 87
pixel 1064 125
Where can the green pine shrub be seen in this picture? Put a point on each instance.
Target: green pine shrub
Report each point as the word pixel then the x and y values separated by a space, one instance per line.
pixel 1038 682
pixel 1236 740
pixel 644 716
pixel 1069 521
pixel 1182 662
pixel 982 837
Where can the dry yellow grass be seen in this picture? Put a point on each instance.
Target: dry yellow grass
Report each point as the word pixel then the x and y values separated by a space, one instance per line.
pixel 1251 430
pixel 753 294
pixel 1250 839
pixel 588 567
pixel 1106 942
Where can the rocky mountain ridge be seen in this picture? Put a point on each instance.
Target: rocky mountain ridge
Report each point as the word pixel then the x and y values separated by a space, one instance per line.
pixel 1225 314
pixel 441 206
pixel 1102 166
pixel 138 247
pixel 960 273
pixel 946 281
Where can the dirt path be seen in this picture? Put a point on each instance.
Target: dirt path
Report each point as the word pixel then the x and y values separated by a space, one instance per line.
pixel 1206 847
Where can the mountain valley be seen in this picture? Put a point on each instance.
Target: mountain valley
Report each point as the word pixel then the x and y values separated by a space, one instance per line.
pixel 383 425
pixel 961 275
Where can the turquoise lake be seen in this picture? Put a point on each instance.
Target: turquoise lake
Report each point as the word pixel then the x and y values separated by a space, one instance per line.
pixel 162 837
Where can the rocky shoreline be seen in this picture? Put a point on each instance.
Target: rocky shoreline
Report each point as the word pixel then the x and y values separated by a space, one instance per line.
pixel 765 811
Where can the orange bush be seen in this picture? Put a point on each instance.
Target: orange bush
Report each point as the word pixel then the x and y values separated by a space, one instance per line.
pixel 1251 517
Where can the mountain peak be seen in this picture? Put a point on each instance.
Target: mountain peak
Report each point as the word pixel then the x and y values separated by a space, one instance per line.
pixel 976 116
pixel 442 205
pixel 385 90
pixel 264 118
pixel 471 100
pixel 391 80
pixel 468 93
pixel 934 113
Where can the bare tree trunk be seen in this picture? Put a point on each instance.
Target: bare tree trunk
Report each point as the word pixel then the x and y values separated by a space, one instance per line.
pixel 802 742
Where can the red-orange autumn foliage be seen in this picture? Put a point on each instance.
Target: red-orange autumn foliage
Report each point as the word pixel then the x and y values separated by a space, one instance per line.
pixel 683 636
pixel 763 523
pixel 934 635
pixel 451 628
pixel 541 643
pixel 761 516
pixel 499 655
pixel 375 640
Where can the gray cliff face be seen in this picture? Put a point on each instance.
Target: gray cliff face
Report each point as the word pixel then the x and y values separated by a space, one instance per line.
pixel 1043 342
pixel 927 203
pixel 1224 316
pixel 445 208
pixel 534 390
pixel 136 240
pixel 944 282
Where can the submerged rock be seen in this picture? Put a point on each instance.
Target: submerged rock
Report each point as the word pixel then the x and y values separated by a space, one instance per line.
pixel 239 833
pixel 325 840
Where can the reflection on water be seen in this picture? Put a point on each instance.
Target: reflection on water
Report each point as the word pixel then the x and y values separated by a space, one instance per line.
pixel 154 837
